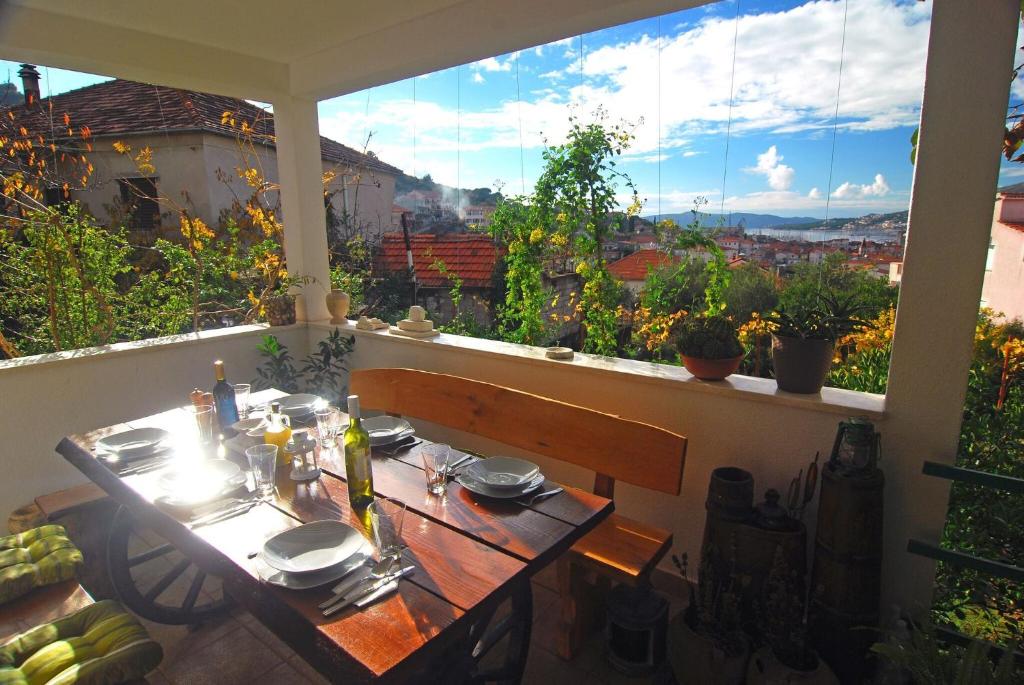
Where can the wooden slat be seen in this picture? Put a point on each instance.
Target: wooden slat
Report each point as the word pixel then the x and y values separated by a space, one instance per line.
pixel 949 556
pixel 984 479
pixel 628 451
pixel 527 534
pixel 65 501
pixel 451 565
pixel 628 549
pixel 574 506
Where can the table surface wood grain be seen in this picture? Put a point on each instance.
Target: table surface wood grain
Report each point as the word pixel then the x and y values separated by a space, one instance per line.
pixel 470 553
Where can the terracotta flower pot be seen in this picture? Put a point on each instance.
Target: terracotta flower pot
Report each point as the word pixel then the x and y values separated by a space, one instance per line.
pixel 711 369
pixel 280 310
pixel 801 365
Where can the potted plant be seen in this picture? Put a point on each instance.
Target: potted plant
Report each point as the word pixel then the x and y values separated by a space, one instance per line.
pixel 786 658
pixel 706 641
pixel 709 346
pixel 804 338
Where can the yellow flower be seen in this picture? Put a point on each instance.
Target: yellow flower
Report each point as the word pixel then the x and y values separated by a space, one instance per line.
pixel 536 236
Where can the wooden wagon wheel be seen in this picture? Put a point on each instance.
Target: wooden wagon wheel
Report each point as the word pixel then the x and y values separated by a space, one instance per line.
pixel 155 580
pixel 489 632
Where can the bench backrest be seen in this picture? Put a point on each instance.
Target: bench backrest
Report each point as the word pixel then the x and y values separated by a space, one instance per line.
pixel 613 447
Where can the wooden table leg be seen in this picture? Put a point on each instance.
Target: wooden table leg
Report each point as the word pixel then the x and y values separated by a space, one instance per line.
pixel 517 625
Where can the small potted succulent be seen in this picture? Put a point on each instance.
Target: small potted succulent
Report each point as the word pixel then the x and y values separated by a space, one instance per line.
pixel 709 346
pixel 804 340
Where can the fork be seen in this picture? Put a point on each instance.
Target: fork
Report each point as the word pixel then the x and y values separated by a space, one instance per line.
pixel 528 501
pixel 379 570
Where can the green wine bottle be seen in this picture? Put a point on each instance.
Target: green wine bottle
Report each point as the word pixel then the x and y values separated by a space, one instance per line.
pixel 358 469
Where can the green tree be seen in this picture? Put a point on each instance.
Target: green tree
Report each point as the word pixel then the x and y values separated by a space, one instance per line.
pixel 750 289
pixel 802 289
pixel 576 194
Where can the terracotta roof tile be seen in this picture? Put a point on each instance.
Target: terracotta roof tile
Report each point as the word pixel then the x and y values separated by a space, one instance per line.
pixel 470 257
pixel 121 108
pixel 635 266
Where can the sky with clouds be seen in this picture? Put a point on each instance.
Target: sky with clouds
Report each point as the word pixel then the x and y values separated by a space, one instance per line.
pixel 671 80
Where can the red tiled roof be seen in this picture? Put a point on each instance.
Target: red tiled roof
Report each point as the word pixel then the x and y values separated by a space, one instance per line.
pixel 1014 226
pixel 635 266
pixel 122 108
pixel 470 257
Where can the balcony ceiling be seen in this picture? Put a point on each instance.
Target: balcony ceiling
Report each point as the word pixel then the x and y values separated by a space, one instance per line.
pixel 262 49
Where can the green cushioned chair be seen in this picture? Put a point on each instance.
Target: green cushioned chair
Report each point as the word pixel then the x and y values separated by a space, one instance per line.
pixel 39 556
pixel 101 644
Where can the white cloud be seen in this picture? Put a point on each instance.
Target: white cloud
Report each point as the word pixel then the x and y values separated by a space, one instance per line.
pixel 852 191
pixel 554 75
pixel 769 164
pixel 478 77
pixel 814 194
pixel 691 153
pixel 494 64
pixel 785 81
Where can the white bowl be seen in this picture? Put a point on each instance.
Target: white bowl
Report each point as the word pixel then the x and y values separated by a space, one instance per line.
pixel 503 472
pixel 385 430
pixel 312 547
pixel 298 405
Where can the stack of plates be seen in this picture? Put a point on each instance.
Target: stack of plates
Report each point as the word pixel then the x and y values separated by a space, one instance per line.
pixel 139 443
pixel 501 477
pixel 386 430
pixel 312 554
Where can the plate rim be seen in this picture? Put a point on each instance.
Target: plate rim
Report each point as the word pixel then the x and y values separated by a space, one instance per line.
pixel 101 443
pixel 337 571
pixel 500 494
pixel 332 522
pixel 536 471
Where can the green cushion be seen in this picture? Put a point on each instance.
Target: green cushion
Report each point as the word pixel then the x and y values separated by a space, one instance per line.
pixel 39 556
pixel 101 644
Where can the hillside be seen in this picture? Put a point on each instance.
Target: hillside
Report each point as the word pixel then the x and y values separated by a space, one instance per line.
pixel 893 221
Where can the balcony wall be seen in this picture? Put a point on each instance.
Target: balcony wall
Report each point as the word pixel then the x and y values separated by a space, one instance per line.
pixel 45 397
pixel 743 422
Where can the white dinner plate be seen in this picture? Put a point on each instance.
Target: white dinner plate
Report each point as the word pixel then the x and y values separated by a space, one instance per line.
pixel 312 547
pixel 305 581
pixel 385 430
pixel 194 482
pixel 298 405
pixel 503 473
pixel 132 443
pixel 478 488
pixel 255 426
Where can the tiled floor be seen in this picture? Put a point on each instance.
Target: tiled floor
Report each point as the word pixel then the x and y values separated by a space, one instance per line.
pixel 209 654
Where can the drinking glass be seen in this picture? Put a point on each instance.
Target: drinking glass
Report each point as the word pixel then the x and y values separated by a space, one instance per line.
pixel 328 424
pixel 435 466
pixel 203 414
pixel 242 391
pixel 263 462
pixel 386 516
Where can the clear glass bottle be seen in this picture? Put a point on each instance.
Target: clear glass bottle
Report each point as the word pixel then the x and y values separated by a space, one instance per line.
pixel 278 432
pixel 358 468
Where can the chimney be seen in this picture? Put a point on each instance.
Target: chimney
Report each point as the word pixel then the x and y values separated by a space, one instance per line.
pixel 30 83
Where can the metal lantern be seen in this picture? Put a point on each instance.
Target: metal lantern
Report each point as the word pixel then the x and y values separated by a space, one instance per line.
pixel 302 447
pixel 857 447
pixel 636 628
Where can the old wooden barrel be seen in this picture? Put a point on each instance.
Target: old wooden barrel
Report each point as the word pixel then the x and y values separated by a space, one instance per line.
pixel 730 494
pixel 847 571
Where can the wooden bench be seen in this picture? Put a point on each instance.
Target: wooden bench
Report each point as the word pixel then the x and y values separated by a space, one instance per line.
pixel 616 449
pixel 42 605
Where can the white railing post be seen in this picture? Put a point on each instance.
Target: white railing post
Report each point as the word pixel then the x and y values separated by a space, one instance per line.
pixel 970 53
pixel 300 172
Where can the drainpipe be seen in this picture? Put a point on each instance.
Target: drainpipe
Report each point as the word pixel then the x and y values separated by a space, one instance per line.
pixel 408 255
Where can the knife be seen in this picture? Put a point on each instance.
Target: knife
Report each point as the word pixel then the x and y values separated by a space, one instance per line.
pixel 217 516
pixel 367 590
pixel 374 596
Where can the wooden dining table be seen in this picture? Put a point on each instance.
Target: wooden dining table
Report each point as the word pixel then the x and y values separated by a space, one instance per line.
pixel 471 555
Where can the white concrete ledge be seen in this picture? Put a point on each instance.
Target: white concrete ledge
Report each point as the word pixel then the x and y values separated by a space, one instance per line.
pixel 141 346
pixel 830 400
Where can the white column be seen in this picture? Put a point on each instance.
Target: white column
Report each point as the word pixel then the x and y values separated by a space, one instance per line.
pixel 300 172
pixel 967 81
